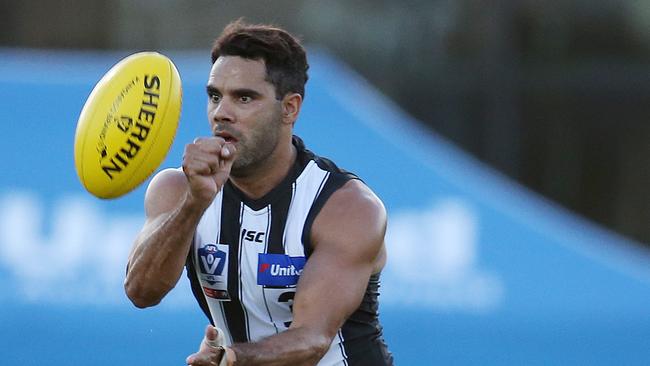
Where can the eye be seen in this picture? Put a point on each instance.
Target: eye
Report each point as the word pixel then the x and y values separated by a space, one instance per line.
pixel 245 99
pixel 215 98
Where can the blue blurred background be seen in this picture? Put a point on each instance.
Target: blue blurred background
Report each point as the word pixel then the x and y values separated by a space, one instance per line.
pixel 481 269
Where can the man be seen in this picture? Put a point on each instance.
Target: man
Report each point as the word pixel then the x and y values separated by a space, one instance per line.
pixel 285 249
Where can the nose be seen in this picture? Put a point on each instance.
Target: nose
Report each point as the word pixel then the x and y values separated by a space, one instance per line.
pixel 222 112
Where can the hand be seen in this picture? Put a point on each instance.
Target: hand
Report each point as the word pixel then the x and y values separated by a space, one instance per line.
pixel 206 164
pixel 210 352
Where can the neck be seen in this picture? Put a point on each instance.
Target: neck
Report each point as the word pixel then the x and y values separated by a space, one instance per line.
pixel 270 172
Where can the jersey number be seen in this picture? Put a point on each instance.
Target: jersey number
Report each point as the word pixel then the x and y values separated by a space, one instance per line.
pixel 288 298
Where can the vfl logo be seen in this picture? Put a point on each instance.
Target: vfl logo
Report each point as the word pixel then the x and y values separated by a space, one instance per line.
pixel 211 260
pixel 213 270
pixel 279 270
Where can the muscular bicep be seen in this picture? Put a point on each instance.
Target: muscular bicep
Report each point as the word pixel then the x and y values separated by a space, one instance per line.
pixel 163 195
pixel 348 248
pixel 164 192
pixel 329 291
pixel 160 249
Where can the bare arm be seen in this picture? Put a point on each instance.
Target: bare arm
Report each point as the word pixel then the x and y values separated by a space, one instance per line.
pixel 348 248
pixel 174 204
pixel 160 249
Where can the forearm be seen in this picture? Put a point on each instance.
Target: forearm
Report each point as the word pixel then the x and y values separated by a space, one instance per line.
pixel 296 346
pixel 159 255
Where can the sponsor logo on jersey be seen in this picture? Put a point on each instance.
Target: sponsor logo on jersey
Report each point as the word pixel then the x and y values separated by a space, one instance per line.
pixel 279 269
pixel 216 294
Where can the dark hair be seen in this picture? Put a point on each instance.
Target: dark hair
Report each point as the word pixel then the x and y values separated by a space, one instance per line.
pixel 285 59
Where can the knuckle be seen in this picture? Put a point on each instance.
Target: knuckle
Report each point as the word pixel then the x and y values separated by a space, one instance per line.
pixel 213 144
pixel 189 149
pixel 187 161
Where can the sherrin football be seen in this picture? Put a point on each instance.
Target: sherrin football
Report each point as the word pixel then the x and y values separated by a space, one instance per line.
pixel 128 124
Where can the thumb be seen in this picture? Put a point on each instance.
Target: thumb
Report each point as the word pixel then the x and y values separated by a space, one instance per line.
pixel 208 339
pixel 211 335
pixel 214 337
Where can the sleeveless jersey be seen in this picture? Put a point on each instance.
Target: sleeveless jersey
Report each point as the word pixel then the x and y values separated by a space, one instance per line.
pixel 247 256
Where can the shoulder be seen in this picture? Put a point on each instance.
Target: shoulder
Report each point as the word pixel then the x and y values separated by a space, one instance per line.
pixel 355 199
pixel 353 218
pixel 165 190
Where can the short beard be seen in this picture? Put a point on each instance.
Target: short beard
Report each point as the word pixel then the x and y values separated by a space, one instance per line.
pixel 255 152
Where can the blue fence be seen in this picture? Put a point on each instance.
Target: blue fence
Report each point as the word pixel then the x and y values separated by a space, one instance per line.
pixel 480 271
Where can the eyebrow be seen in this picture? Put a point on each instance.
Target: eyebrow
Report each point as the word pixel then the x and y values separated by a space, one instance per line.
pixel 211 90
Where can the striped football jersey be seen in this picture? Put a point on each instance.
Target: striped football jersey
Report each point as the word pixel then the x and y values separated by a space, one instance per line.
pixel 247 256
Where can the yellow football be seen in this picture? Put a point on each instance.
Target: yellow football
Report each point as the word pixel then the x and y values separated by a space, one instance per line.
pixel 128 124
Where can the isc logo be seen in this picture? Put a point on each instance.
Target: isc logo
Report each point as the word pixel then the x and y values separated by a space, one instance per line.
pixel 253 236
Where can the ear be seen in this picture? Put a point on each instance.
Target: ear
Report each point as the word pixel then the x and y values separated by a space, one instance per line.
pixel 291 104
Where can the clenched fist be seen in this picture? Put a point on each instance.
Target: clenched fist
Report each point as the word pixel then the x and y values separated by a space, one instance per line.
pixel 206 164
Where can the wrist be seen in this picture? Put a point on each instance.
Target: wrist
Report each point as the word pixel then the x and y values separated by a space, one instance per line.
pixel 193 205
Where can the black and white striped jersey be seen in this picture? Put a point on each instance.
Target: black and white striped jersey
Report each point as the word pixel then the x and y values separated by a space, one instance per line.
pixel 247 256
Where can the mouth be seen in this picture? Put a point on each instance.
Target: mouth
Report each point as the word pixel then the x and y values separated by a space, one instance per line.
pixel 226 136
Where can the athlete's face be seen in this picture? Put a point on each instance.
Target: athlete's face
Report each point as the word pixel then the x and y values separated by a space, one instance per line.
pixel 243 109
